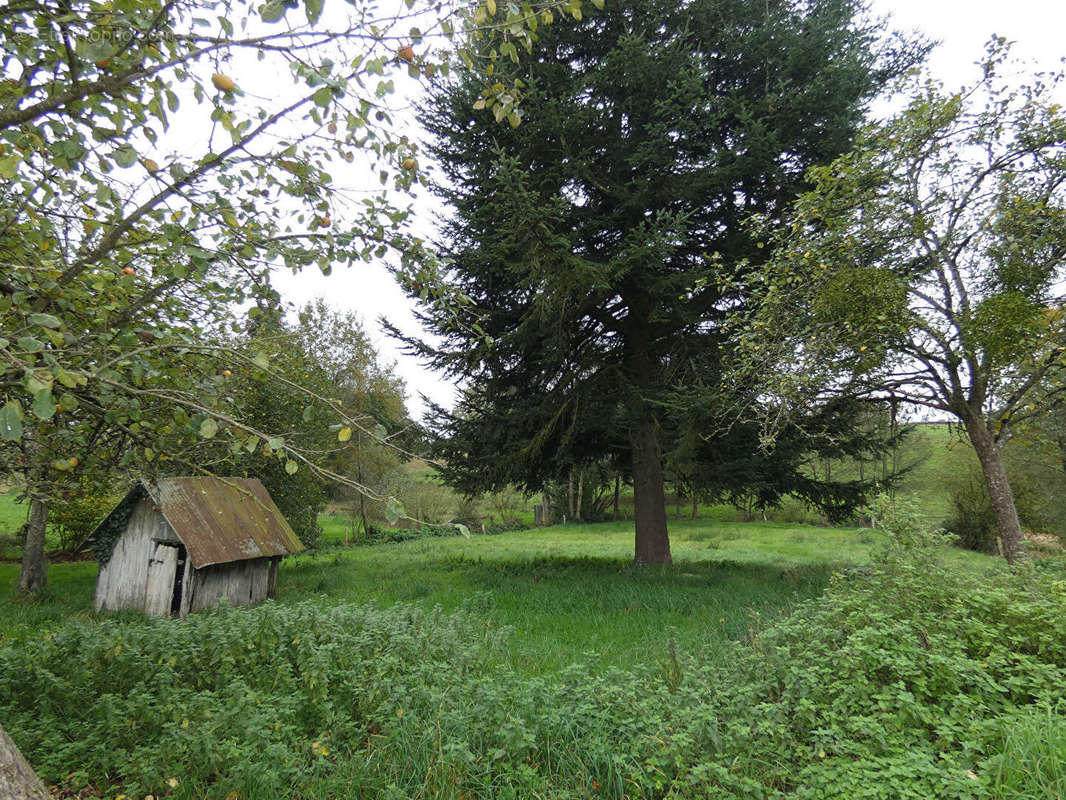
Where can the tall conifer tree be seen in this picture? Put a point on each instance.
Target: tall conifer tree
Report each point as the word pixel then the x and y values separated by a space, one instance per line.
pixel 592 238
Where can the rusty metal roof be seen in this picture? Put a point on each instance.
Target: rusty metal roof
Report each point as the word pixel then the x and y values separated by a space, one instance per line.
pixel 220 520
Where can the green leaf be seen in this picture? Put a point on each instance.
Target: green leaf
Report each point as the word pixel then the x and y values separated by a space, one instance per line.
pixel 30 345
pixel 38 381
pixel 313 9
pixel 208 428
pixel 272 11
pixel 393 511
pixel 291 467
pixel 44 405
pixel 380 431
pixel 70 379
pixel 323 97
pixel 251 443
pixel 68 402
pixel 275 443
pixel 45 321
pixel 463 530
pixel 261 360
pixel 344 434
pixel 11 421
pixel 598 4
pixel 125 156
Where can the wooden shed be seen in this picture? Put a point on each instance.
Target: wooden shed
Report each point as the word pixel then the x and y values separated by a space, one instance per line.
pixel 182 544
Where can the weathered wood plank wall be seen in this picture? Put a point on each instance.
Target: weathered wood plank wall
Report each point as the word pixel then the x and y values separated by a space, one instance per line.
pixel 241 582
pixel 122 582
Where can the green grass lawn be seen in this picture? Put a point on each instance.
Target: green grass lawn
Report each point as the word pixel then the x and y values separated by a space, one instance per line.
pixel 567 594
pixel 12 514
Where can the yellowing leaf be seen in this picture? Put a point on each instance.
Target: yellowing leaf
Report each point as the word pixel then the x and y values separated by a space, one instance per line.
pixel 344 434
pixel 9 166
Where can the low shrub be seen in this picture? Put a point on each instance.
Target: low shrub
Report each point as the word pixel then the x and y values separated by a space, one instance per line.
pixel 505 526
pixel 1036 488
pixel 972 518
pixel 377 534
pixel 900 682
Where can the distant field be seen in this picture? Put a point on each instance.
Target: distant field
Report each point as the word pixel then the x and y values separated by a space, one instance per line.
pixel 939 454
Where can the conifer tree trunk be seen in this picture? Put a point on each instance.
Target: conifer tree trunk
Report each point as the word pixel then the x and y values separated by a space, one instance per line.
pixel 652 544
pixel 652 540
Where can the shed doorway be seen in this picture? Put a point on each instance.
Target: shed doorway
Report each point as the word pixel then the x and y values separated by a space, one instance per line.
pixel 166 569
pixel 179 581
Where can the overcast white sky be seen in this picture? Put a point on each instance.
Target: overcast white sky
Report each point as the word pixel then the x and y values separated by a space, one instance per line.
pixel 961 26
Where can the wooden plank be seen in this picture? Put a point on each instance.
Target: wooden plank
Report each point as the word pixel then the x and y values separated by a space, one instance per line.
pixel 242 583
pixel 187 587
pixel 272 580
pixel 160 587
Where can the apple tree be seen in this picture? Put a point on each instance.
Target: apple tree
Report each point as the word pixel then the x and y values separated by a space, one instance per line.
pixel 927 266
pixel 157 160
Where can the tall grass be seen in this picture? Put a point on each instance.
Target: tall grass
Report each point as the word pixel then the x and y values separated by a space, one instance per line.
pixel 1032 763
